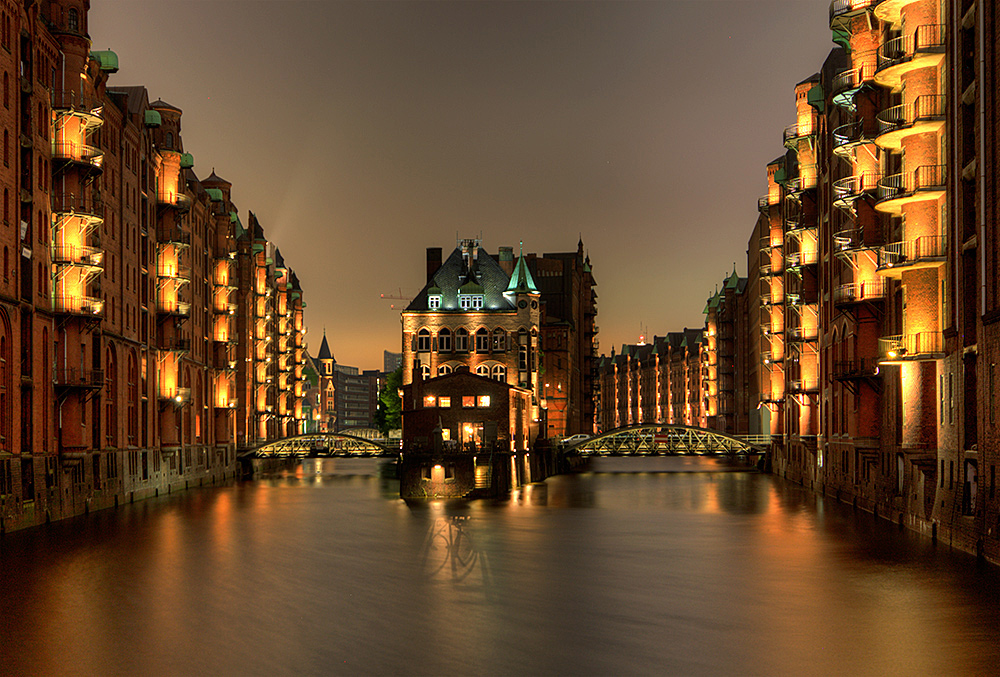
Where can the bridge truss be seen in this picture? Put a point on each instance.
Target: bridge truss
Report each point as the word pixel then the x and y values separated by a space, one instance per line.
pixel 651 439
pixel 321 445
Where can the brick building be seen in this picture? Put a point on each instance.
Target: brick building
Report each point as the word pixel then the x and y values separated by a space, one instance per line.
pixel 119 359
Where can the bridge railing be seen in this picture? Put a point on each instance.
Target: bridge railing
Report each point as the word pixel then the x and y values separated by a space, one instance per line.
pixel 666 439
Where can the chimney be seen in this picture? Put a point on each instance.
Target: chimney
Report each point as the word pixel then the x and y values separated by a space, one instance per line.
pixel 507 260
pixel 433 261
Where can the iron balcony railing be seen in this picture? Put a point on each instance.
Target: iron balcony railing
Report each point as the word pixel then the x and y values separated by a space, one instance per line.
pixel 70 203
pixel 916 346
pixel 78 152
pixel 176 344
pixel 850 188
pixel 802 333
pixel 803 385
pixel 181 308
pixel 850 135
pixel 77 255
pixel 180 201
pixel 840 8
pixel 67 99
pixel 848 370
pixel 76 377
pixel 857 292
pixel 173 272
pixel 763 203
pixel 799 259
pixel 926 248
pixel 848 239
pixel 173 236
pixel 898 186
pixel 798 131
pixel 77 305
pixel 178 396
pixel 924 108
pixel 851 79
pixel 926 39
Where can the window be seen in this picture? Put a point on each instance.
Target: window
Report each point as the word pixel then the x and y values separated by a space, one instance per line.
pixel 483 370
pixel 444 402
pixel 444 369
pixel 522 358
pixel 425 371
pixel 169 141
pixel 482 341
pixel 499 340
pixel 423 341
pixel 461 340
pixel 73 20
pixel 499 372
pixel 429 400
pixel 444 341
pixel 468 400
pixel 483 400
pixel 434 301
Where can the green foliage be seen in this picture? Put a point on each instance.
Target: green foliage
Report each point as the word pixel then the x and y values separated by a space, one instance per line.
pixel 390 408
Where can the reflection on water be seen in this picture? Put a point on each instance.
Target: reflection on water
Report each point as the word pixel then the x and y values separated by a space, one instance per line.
pixel 639 566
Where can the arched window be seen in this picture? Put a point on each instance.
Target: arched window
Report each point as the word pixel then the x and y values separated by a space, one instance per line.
pixel 499 340
pixel 444 340
pixel 73 20
pixel 133 398
pixel 6 148
pixel 169 140
pixel 423 341
pixel 425 371
pixel 482 341
pixel 110 398
pixel 444 369
pixel 461 340
pixel 6 205
pixel 6 90
pixel 483 370
pixel 499 372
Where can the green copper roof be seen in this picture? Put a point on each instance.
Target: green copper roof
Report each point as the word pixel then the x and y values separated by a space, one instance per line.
pixel 521 281
pixel 816 97
pixel 153 118
pixel 187 161
pixel 734 281
pixel 215 194
pixel 107 59
pixel 780 175
pixel 258 246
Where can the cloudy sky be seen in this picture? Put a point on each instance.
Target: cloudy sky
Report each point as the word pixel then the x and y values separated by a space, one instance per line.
pixel 361 133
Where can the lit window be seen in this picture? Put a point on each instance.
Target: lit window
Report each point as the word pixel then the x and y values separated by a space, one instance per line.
pixel 444 341
pixel 444 369
pixel 482 341
pixel 423 341
pixel 499 340
pixel 499 372
pixel 425 371
pixel 434 301
pixel 483 370
pixel 444 401
pixel 468 400
pixel 484 400
pixel 429 401
pixel 477 302
pixel 461 341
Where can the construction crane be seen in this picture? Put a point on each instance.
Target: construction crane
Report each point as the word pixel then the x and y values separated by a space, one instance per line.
pixel 398 297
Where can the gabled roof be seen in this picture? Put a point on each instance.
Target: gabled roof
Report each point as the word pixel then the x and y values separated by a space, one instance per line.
pixel 455 275
pixel 521 281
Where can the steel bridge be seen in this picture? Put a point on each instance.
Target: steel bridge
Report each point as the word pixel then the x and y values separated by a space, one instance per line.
pixel 321 445
pixel 648 439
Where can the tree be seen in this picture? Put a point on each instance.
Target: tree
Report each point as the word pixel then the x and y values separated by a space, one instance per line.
pixel 389 415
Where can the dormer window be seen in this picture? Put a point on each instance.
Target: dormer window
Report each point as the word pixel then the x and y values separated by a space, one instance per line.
pixel 434 301
pixel 471 301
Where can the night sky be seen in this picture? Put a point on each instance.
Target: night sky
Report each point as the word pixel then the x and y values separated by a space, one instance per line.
pixel 361 133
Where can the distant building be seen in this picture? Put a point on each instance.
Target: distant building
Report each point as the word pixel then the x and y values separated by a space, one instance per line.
pixel 391 361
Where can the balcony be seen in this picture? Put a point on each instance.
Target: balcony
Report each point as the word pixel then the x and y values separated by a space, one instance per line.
pixel 84 306
pixel 925 114
pixel 919 347
pixel 174 272
pixel 801 334
pixel 799 222
pixel 869 291
pixel 174 236
pixel 796 185
pixel 68 102
pixel 846 84
pixel 846 138
pixel 803 386
pixel 173 307
pixel 78 255
pixel 926 251
pixel 798 132
pixel 764 204
pixel 179 201
pixel 74 377
pixel 225 308
pixel 177 396
pixel 855 370
pixel 906 53
pixel 897 190
pixel 843 9
pixel 87 157
pixel 797 260
pixel 850 188
pixel 88 208
pixel 176 344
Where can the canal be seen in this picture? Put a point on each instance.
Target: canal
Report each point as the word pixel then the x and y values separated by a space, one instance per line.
pixel 640 566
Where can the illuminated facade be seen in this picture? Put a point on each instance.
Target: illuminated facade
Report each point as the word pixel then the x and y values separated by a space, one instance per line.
pixel 119 294
pixel 874 262
pixel 473 316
